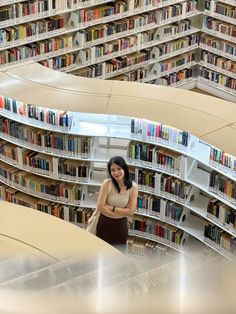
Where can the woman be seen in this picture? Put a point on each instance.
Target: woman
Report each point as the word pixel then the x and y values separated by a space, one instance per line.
pixel 117 200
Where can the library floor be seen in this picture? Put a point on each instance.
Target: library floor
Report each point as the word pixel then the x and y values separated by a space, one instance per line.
pixel 118 284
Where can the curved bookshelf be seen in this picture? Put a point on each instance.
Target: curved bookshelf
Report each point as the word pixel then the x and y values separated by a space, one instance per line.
pixel 123 134
pixel 80 31
pixel 138 165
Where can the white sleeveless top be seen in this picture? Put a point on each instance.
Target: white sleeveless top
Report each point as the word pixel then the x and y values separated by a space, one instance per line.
pixel 117 199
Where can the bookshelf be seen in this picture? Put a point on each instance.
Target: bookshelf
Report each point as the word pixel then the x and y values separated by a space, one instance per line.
pixel 125 40
pixel 158 156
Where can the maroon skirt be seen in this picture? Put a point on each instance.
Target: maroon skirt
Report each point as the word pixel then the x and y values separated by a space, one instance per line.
pixel 113 231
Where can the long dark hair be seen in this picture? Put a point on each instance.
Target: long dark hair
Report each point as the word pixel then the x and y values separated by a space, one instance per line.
pixel 119 161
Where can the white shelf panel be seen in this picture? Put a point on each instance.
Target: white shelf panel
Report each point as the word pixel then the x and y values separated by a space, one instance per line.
pixel 216 89
pixel 194 226
pixel 223 170
pixel 187 84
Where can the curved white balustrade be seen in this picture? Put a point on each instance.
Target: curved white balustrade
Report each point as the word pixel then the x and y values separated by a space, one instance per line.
pixel 47 236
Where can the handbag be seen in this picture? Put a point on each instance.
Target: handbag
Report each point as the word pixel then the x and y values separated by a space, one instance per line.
pixel 92 222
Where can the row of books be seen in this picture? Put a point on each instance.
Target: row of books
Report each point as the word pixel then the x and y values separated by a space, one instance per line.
pixel 218 61
pixel 14 35
pixel 13 12
pixel 226 10
pixel 75 144
pixel 223 186
pixel 153 156
pixel 91 35
pixel 163 15
pixel 21 9
pixel 132 76
pixel 173 212
pixel 67 212
pixel 148 248
pixel 144 178
pixel 175 78
pixel 219 44
pixel 149 203
pixel 113 46
pixel 175 10
pixel 112 66
pixel 166 80
pixel 166 210
pixel 35 162
pixel 175 45
pixel 158 133
pixel 170 64
pixel 220 79
pixel 88 15
pixel 33 138
pixel 219 26
pixel 221 238
pixel 9 151
pixel 53 117
pixel 42 187
pixel 219 157
pixel 64 61
pixel 69 169
pixel 174 188
pixel 62 211
pixel 102 31
pixel 159 229
pixel 136 60
pixel 36 50
pixel 222 213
